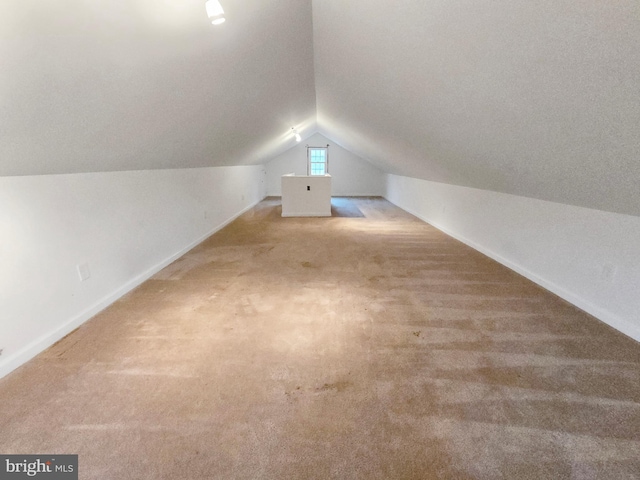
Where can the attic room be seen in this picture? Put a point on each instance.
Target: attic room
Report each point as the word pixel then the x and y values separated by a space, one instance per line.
pixel 470 308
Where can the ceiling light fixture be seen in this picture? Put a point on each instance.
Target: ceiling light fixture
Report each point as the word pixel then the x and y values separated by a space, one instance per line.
pixel 215 12
pixel 295 132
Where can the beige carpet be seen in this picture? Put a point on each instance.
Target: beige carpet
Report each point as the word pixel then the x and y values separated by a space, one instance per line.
pixel 367 345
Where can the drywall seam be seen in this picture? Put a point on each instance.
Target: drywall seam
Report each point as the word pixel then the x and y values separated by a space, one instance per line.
pixel 602 314
pixel 42 343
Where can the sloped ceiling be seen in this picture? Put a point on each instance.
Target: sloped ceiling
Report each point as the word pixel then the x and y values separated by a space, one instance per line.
pixel 540 99
pixel 97 85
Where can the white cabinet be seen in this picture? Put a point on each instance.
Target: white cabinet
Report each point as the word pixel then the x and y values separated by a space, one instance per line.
pixel 306 196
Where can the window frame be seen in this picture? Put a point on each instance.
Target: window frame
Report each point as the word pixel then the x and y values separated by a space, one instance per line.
pixel 310 163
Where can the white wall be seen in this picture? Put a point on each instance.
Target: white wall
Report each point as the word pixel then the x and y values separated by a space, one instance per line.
pixel 124 225
pixel 590 258
pixel 306 196
pixel 350 174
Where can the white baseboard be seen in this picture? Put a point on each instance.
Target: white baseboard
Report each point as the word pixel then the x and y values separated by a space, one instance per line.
pixel 607 317
pixel 40 344
pixel 350 195
pixel 306 214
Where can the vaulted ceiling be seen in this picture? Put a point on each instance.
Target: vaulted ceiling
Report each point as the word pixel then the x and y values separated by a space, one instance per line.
pixel 540 99
pixel 97 85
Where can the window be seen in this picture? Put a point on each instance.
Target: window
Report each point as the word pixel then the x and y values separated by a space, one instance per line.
pixel 318 160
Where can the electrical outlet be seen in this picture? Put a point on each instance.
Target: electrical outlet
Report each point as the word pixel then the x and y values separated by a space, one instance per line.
pixel 1 350
pixel 205 214
pixel 444 209
pixel 243 198
pixel 83 272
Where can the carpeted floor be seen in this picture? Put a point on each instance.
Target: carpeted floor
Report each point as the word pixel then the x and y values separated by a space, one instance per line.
pixel 363 346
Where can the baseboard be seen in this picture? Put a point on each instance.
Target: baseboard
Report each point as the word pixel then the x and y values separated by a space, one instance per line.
pixel 605 316
pixel 311 214
pixel 28 352
pixel 348 195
